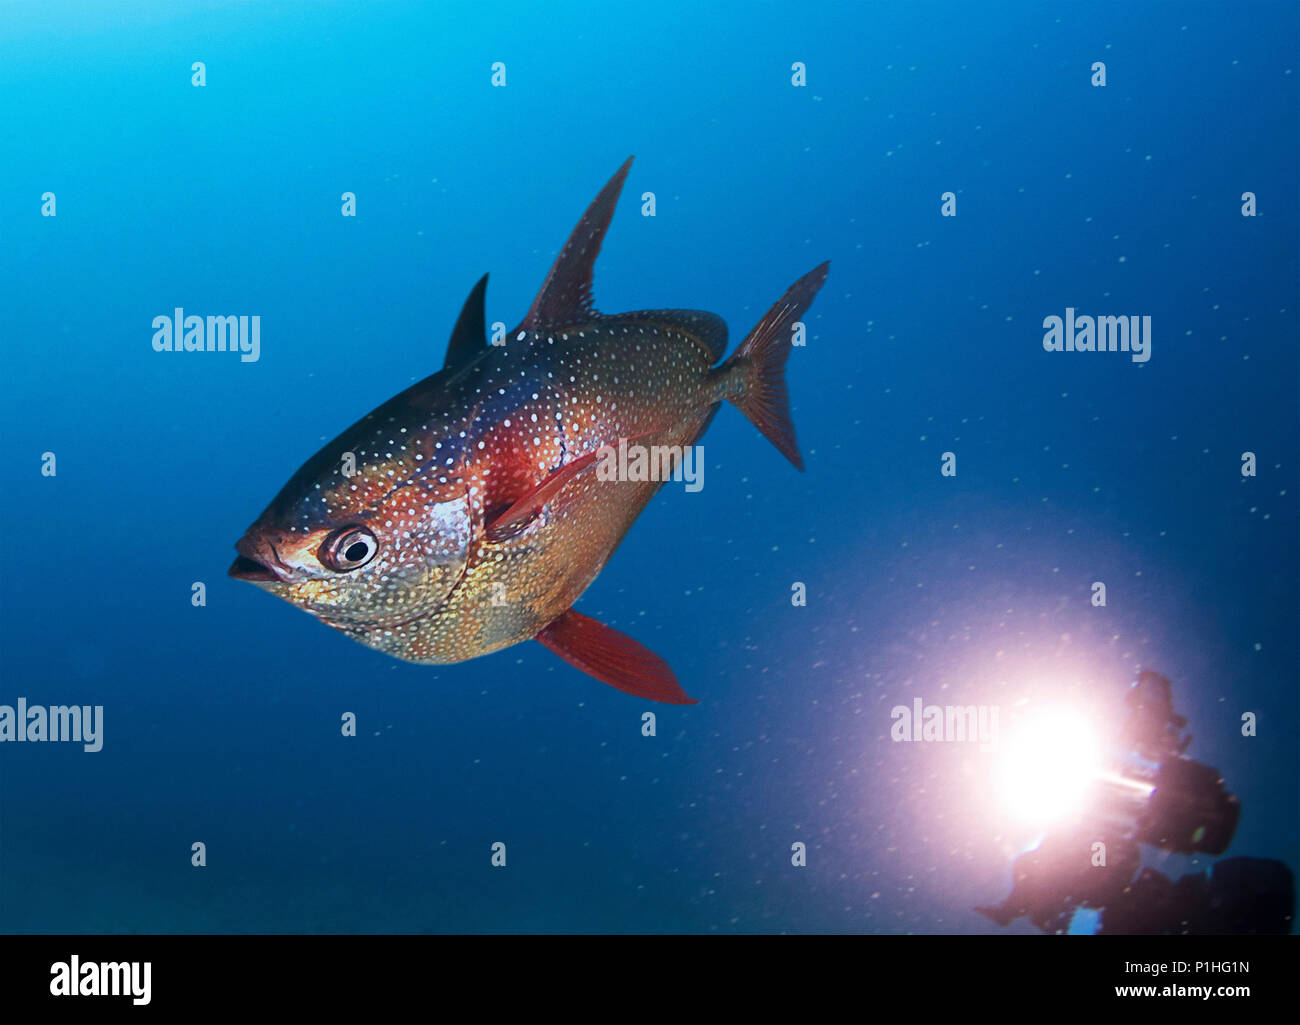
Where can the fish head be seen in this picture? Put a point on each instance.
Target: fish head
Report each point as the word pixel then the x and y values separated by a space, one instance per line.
pixel 368 552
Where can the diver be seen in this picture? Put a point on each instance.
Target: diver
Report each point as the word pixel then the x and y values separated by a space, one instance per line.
pixel 1064 873
pixel 1152 728
pixel 1236 896
pixel 1185 808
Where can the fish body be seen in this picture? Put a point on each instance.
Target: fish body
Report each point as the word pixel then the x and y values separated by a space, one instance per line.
pixel 469 512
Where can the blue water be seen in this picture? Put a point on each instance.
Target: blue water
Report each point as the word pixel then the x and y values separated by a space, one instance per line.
pixel 222 722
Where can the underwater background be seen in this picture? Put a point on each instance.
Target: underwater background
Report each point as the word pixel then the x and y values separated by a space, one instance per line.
pixel 222 720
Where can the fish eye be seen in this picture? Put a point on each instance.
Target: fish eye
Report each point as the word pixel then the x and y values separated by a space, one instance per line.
pixel 348 548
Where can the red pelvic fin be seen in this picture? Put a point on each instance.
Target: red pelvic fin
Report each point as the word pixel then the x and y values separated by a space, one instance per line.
pixel 613 658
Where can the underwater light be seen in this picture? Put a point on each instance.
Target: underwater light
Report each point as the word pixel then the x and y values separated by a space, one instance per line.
pixel 1046 766
pixel 1137 788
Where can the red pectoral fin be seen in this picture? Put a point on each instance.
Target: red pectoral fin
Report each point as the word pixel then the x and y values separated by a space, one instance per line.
pixel 613 658
pixel 521 512
pixel 512 519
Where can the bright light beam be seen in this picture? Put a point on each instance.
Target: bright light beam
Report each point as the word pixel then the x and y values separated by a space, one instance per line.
pixel 1046 766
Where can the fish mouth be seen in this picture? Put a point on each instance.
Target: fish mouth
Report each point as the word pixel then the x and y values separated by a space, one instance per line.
pixel 257 562
pixel 244 568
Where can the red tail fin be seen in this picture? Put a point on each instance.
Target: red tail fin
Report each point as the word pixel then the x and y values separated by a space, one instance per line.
pixel 761 358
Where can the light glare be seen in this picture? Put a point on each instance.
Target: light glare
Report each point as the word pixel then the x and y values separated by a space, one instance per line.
pixel 1046 766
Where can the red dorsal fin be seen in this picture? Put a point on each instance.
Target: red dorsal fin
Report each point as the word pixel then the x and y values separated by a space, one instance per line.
pixel 613 658
pixel 565 296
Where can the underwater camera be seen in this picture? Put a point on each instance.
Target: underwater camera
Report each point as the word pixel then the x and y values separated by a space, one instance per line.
pixel 1169 801
pixel 1149 793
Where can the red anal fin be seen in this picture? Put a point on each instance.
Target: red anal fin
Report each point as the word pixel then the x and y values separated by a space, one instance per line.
pixel 565 295
pixel 613 658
